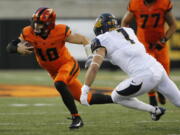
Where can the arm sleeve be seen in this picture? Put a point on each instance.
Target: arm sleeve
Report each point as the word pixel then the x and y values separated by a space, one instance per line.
pixel 95 44
pixel 67 31
pixel 12 46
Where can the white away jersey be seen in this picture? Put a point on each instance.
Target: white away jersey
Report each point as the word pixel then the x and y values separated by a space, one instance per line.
pixel 124 50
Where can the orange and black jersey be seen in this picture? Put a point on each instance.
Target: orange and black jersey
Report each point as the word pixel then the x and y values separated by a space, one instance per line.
pixel 150 19
pixel 51 52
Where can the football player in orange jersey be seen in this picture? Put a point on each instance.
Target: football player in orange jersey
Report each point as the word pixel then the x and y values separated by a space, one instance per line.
pixel 47 41
pixel 150 16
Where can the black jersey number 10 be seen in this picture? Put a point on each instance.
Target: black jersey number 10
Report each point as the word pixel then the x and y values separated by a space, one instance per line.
pixel 50 54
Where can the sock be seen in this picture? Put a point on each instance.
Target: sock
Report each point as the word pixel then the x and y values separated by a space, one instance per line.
pixel 98 98
pixel 152 98
pixel 152 94
pixel 75 115
pixel 66 97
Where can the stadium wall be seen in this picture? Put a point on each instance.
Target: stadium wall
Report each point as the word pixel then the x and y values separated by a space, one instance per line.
pixel 69 8
pixel 11 28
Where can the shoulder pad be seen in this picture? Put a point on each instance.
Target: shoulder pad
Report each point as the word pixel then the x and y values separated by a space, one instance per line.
pixel 26 32
pixel 95 44
pixel 62 29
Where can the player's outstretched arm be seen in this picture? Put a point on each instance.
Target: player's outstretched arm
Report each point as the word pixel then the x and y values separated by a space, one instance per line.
pixel 77 39
pixel 97 60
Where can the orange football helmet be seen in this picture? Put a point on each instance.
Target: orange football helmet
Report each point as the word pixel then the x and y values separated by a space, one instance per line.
pixel 43 21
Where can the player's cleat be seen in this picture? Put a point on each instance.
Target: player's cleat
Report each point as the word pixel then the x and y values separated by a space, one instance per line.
pixel 153 101
pixel 158 113
pixel 161 99
pixel 76 122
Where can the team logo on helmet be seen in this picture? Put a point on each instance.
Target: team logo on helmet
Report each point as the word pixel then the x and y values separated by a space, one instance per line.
pixel 105 22
pixel 98 23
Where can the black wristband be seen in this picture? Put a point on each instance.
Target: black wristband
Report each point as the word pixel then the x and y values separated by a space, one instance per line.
pixel 163 40
pixel 12 46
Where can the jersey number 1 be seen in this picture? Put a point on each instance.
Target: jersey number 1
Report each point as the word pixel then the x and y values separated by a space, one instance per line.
pixel 126 35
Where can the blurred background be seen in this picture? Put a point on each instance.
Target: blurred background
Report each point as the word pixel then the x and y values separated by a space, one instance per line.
pixel 20 76
pixel 78 14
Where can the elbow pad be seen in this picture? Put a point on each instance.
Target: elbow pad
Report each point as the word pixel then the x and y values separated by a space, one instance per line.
pixel 12 46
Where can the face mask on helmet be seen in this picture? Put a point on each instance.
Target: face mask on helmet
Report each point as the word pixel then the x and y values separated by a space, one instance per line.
pixel 149 1
pixel 40 29
pixel 43 21
pixel 105 22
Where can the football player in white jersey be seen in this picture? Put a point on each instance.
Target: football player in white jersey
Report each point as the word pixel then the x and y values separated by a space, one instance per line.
pixel 122 48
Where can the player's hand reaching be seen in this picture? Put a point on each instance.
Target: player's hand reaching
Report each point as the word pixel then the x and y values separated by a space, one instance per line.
pixel 24 48
pixel 160 44
pixel 84 95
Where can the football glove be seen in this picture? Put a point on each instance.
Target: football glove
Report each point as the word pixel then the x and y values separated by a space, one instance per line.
pixel 84 95
pixel 88 61
pixel 161 43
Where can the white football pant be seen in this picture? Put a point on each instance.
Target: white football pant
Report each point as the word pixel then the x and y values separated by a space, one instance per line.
pixel 153 78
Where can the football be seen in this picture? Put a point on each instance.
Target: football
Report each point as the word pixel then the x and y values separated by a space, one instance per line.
pixel 28 44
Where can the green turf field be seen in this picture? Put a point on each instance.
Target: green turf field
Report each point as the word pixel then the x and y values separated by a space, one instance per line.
pixel 47 116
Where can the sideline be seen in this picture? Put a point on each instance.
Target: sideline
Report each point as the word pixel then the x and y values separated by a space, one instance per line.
pixel 37 91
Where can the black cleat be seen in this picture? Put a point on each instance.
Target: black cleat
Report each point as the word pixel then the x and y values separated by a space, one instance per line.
pixel 161 99
pixel 153 101
pixel 76 122
pixel 158 113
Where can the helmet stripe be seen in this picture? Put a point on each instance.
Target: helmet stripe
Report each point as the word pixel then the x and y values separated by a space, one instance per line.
pixel 40 12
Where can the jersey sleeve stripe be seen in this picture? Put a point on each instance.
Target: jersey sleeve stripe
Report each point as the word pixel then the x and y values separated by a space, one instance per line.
pixel 67 31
